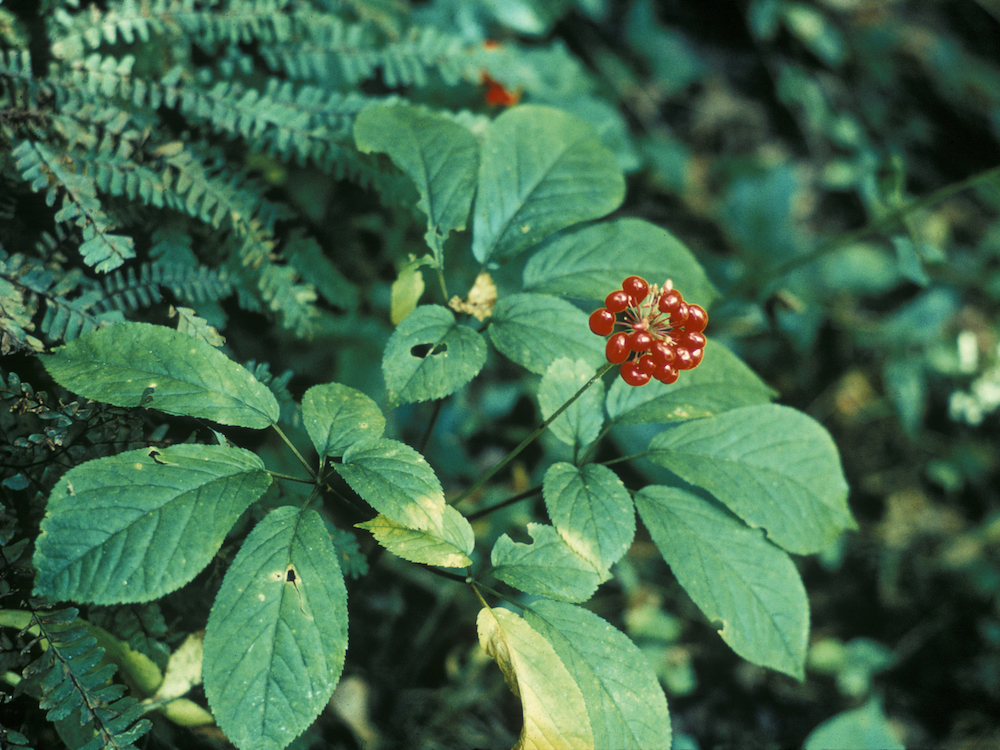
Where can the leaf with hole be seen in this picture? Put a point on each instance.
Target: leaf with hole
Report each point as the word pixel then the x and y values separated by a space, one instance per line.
pixel 431 355
pixel 277 634
pixel 136 526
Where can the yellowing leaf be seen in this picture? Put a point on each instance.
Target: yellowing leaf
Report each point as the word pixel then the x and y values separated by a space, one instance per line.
pixel 448 544
pixel 481 299
pixel 555 715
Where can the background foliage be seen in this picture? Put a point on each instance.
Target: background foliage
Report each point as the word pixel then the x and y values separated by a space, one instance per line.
pixel 831 164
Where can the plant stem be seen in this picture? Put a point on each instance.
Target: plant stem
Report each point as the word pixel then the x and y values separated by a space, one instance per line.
pixel 310 469
pixel 509 501
pixel 438 406
pixel 881 224
pixel 533 436
pixel 289 477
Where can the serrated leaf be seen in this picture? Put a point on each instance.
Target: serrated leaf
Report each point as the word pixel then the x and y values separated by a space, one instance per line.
pixel 277 635
pixel 581 423
pixel 547 566
pixel 534 330
pixel 591 509
pixel 448 546
pixel 591 262
pixel 720 383
pixel 625 703
pixel 541 170
pixel 431 355
pixel 188 377
pixel 555 715
pixel 438 154
pixel 396 481
pixel 136 526
pixel 773 466
pixel 865 728
pixel 337 416
pixel 748 589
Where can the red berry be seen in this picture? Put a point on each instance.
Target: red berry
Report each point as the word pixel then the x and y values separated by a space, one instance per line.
pixel 663 352
pixel 684 359
pixel 617 348
pixel 697 318
pixel 636 288
pixel 602 322
pixel 666 374
pixel 640 341
pixel 679 316
pixel 692 340
pixel 647 364
pixel 616 301
pixel 670 301
pixel 632 375
pixel 697 355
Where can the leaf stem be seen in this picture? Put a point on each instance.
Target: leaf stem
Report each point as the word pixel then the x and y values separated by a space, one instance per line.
pixel 509 501
pixel 882 223
pixel 310 469
pixel 533 436
pixel 289 477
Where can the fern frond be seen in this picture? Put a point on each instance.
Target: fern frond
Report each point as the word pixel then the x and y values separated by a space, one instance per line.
pixel 47 173
pixel 70 677
pixel 128 21
pixel 141 626
pixel 20 91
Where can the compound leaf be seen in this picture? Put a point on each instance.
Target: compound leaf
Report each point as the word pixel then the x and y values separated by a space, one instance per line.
pixel 773 466
pixel 277 635
pixel 136 526
pixel 748 588
pixel 396 481
pixel 448 546
pixel 122 364
pixel 534 330
pixel 720 383
pixel 431 355
pixel 591 510
pixel 547 566
pixel 438 154
pixel 555 715
pixel 625 703
pixel 581 423
pixel 590 262
pixel 337 416
pixel 541 170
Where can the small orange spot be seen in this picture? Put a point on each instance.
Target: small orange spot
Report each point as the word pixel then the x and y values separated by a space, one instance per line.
pixel 496 94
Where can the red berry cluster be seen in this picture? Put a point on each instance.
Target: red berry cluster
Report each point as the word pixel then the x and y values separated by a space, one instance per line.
pixel 662 333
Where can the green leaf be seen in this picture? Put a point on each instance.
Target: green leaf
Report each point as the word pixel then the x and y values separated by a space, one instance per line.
pixel 431 355
pixel 865 728
pixel 555 715
pixel 547 567
pixel 337 416
pixel 277 635
pixel 136 526
pixel 748 589
pixel 534 330
pixel 448 546
pixel 720 383
pixel 407 289
pixel 581 423
pixel 773 466
pixel 541 170
pixel 119 363
pixel 625 703
pixel 591 510
pixel 396 481
pixel 441 156
pixel 591 262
